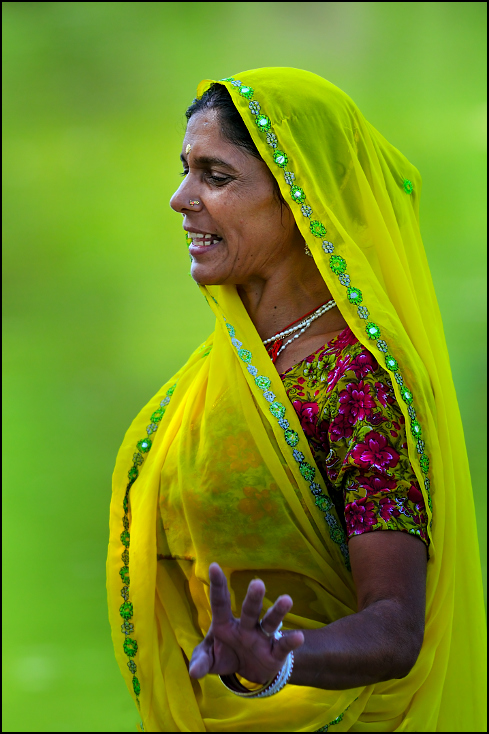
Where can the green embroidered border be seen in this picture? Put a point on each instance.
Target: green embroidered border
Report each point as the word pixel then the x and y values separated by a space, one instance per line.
pixel 126 610
pixel 338 266
pixel 292 438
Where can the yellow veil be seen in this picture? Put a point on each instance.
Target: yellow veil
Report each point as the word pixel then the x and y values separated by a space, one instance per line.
pixel 217 468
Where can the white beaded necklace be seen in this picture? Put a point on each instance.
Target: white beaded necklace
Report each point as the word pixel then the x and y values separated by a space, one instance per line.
pixel 302 325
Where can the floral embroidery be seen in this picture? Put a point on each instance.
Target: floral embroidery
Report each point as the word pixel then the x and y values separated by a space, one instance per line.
pixel 126 610
pixel 280 158
pixel 337 264
pixel 297 194
pixel 356 433
pixel 272 140
pixel 317 229
pixel 264 124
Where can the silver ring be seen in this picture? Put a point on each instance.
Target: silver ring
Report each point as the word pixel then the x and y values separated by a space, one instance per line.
pixel 276 634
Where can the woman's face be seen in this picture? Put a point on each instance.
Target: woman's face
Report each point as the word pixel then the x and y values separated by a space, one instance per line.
pixel 250 232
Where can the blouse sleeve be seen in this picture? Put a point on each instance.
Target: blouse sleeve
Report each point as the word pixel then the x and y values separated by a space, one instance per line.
pixel 368 459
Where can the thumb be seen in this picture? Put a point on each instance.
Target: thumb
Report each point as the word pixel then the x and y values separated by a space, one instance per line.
pixel 200 663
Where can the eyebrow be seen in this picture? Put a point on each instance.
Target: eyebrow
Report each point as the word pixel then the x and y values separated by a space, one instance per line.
pixel 208 162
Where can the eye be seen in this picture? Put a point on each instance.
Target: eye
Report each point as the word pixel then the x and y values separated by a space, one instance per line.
pixel 219 179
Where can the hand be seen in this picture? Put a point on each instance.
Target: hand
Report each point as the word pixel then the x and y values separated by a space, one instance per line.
pixel 239 645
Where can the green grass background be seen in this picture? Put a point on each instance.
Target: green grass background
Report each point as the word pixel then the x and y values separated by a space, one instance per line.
pixel 98 308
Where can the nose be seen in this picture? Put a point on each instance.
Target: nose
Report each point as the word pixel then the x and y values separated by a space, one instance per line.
pixel 180 201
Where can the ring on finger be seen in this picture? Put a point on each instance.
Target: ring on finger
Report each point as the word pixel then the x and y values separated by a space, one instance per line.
pixel 276 634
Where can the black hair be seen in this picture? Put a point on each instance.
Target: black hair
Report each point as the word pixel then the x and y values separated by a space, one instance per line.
pixel 233 128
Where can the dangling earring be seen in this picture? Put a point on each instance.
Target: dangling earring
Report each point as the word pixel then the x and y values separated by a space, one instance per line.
pixel 307 250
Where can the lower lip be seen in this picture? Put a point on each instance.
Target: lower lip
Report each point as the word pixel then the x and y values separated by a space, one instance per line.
pixel 200 249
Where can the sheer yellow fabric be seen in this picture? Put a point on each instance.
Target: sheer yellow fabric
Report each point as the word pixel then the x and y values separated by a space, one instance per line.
pixel 225 473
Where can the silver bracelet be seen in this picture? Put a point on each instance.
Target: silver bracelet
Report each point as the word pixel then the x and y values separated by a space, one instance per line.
pixel 273 686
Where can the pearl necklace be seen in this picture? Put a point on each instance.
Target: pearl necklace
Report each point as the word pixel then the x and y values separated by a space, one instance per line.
pixel 300 327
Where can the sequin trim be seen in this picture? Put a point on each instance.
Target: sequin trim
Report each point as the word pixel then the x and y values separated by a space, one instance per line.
pixel 126 610
pixel 335 721
pixel 338 266
pixel 292 438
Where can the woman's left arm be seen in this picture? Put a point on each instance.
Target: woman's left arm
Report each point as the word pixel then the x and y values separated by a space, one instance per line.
pixel 383 639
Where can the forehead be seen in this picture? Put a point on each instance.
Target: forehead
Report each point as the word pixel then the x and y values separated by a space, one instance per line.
pixel 204 135
pixel 204 127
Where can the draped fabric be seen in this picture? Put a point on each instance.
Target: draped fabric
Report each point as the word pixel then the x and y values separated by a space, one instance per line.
pixel 217 467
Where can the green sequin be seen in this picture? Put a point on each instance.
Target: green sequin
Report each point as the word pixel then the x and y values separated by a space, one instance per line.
pixel 391 363
pixel 130 647
pixel 144 445
pixel 373 331
pixel 324 503
pixel 124 574
pixel 317 229
pixel 337 720
pixel 307 471
pixel 280 158
pixel 262 382
pixel 263 123
pixel 337 264
pixel 246 92
pixel 125 556
pixel 245 355
pixel 171 390
pixel 125 504
pixel 408 186
pixel 133 472
pixel 157 415
pixel 291 437
pixel 424 463
pixel 125 522
pixel 336 534
pixel 125 538
pixel 297 194
pixel 231 330
pixel 126 610
pixel 136 686
pixel 407 396
pixel 416 429
pixel 354 295
pixel 277 409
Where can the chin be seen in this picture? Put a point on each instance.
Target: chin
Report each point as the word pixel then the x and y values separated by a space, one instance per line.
pixel 202 276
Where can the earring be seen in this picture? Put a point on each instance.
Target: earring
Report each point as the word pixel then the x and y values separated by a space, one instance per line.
pixel 307 250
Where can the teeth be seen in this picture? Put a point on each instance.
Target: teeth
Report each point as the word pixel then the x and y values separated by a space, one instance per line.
pixel 203 239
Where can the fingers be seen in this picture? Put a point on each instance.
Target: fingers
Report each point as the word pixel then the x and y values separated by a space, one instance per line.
pixel 290 641
pixel 276 613
pixel 252 604
pixel 219 595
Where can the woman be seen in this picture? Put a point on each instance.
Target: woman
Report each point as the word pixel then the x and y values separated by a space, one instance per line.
pixel 248 492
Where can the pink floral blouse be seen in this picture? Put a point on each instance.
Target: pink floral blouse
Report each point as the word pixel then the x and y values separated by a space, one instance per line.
pixel 356 433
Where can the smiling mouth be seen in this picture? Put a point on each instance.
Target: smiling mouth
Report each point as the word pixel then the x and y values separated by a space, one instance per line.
pixel 202 239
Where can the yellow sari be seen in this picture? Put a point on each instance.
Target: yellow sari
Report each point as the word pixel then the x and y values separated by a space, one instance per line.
pixel 217 468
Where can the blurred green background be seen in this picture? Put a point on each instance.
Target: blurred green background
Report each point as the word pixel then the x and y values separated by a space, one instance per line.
pixel 99 310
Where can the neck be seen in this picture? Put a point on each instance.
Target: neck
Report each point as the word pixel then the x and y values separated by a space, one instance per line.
pixel 294 288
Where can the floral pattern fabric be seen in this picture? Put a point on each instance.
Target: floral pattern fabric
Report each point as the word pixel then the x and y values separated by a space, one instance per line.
pixel 356 432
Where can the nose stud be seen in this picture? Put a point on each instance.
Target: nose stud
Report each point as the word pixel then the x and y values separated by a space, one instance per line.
pixel 194 202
